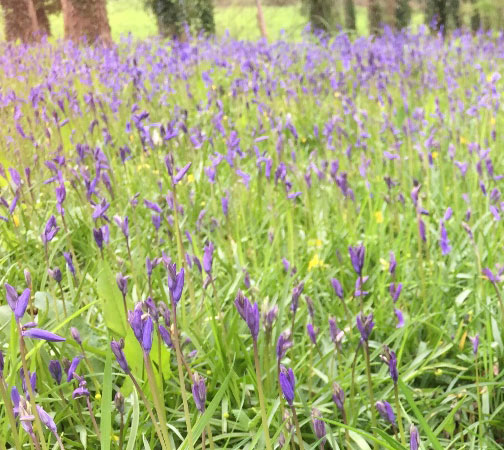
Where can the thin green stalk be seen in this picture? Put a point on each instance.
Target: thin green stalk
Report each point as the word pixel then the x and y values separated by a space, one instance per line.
pixel 149 411
pixel 399 417
pixel 181 378
pixel 93 419
pixel 262 402
pixel 478 398
pixel 370 388
pixel 298 428
pixel 210 437
pixel 10 414
pixel 158 404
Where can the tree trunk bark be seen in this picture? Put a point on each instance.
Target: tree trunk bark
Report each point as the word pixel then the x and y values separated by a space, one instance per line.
pixel 42 18
pixel 260 20
pixel 20 20
pixel 86 19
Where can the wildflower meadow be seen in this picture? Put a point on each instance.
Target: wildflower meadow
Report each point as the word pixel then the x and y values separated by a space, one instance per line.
pixel 224 244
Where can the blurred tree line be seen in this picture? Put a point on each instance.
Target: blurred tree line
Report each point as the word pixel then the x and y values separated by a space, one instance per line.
pixel 27 20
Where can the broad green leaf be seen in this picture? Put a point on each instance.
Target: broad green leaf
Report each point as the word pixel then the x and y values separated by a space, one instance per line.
pixel 111 300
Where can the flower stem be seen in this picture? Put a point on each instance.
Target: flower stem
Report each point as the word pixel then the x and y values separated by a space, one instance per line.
pixel 298 428
pixel 149 411
pixel 399 417
pixel 210 437
pixel 370 388
pixel 181 377
pixel 158 404
pixel 261 398
pixel 93 419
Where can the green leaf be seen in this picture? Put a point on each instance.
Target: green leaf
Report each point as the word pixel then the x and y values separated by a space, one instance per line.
pixel 393 443
pixel 425 426
pixel 111 300
pixel 105 421
pixel 146 442
pixel 134 422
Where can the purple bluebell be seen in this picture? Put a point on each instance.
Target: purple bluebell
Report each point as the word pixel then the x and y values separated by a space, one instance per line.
pixel 365 325
pixel 296 292
pixel 181 173
pixel 421 230
pixel 73 368
pixel 123 224
pixel 359 282
pixel 386 412
pixel 44 335
pixel 18 303
pixel 269 318
pixel 81 391
pixel 199 392
pixel 69 261
pixel 338 288
pixel 490 275
pixel 414 438
pixel 249 313
pixel 392 264
pixel 76 335
pixel 283 344
pixel 117 349
pixel 60 198
pixel 389 358
pixel 55 274
pixel 444 241
pixel 311 333
pixel 148 329
pixel 55 370
pixel 338 396
pixel 208 258
pixel 175 282
pixel 395 291
pixel 225 204
pixel 98 237
pixel 475 343
pixel 165 336
pixel 122 284
pixel 47 420
pixel 400 318
pixel 357 255
pixel 287 384
pixel 319 427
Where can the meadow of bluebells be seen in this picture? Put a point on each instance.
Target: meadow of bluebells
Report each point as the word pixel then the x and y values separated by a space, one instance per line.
pixel 243 245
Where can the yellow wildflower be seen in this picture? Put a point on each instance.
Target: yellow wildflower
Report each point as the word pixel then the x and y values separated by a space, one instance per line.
pixel 385 264
pixel 438 372
pixel 315 262
pixel 378 216
pixel 303 140
pixel 131 138
pixel 435 155
pixel 492 121
pixel 463 140
pixel 315 243
pixel 190 178
pixel 98 396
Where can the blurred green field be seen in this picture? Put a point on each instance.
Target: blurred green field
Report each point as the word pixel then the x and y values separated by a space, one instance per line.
pixel 130 16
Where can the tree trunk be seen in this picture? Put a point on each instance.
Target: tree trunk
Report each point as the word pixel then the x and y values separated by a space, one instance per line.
pixel 260 20
pixel 374 16
pixel 20 20
pixel 42 18
pixel 86 19
pixel 349 9
pixel 390 18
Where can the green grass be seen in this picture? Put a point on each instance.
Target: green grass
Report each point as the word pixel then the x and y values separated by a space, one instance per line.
pixel 129 16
